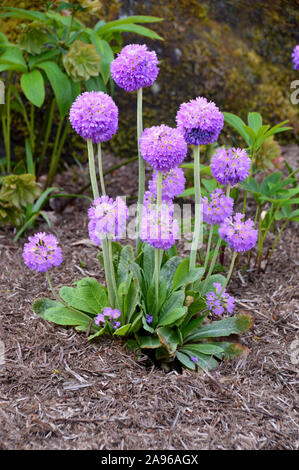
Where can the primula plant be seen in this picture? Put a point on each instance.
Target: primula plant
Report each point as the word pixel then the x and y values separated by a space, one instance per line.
pixel 164 304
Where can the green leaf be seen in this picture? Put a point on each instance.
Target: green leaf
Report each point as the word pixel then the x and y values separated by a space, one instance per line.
pixel 96 84
pixel 255 121
pixel 148 262
pixel 29 158
pixel 89 296
pixel 32 84
pixel 204 361
pixel 210 185
pixel 209 287
pixel 42 304
pixel 185 360
pixel 104 27
pixel 203 348
pixel 13 57
pixel 122 330
pixel 22 14
pixel 44 197
pixel 60 84
pixel 237 124
pixel 126 257
pixel 192 325
pixel 230 350
pixel 173 316
pixel 168 338
pixel 188 192
pixel 226 327
pixel 130 28
pixel 168 270
pixel 34 60
pixel 148 342
pixel 136 324
pixel 131 300
pixel 104 50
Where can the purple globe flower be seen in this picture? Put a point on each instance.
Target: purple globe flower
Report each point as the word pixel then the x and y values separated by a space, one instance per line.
pixel 199 121
pixel 163 147
pixel 295 56
pixel 110 315
pixel 218 305
pixel 135 67
pixel 158 228
pixel 173 183
pixel 230 166
pixel 94 115
pixel 42 252
pixel 217 208
pixel 107 218
pixel 241 236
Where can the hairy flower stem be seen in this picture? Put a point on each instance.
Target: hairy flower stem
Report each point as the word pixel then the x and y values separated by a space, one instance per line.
pixel 228 274
pixel 108 273
pixel 157 251
pixel 92 169
pixel 101 169
pixel 208 248
pixel 141 166
pixel 55 295
pixel 197 235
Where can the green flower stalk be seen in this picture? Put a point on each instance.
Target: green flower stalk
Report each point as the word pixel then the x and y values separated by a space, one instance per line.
pixel 141 165
pixel 198 234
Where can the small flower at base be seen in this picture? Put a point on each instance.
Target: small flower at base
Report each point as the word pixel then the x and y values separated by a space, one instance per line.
pixel 295 57
pixel 109 315
pixel 218 305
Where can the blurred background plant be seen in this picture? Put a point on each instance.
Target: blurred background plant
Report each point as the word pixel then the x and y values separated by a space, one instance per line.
pixel 54 58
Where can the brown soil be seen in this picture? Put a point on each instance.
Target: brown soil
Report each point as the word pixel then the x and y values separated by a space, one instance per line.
pixel 59 391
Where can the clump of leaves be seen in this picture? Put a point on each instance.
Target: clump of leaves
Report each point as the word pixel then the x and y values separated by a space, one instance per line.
pixel 82 61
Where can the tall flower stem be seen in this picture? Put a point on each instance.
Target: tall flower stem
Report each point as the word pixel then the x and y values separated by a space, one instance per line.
pixel 197 235
pixel 55 295
pixel 8 122
pixel 212 265
pixel 101 169
pixel 113 273
pixel 49 118
pixel 208 248
pixel 228 274
pixel 141 166
pixel 92 169
pixel 108 274
pixel 157 250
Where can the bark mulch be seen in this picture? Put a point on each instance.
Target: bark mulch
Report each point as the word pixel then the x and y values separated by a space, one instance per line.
pixel 59 391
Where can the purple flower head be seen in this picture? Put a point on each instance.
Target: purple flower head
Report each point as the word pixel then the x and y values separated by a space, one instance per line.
pixel 107 218
pixel 163 147
pixel 241 236
pixel 94 115
pixel 218 305
pixel 217 208
pixel 42 252
pixel 173 183
pixel 199 121
pixel 135 67
pixel 109 315
pixel 149 319
pixel 295 56
pixel 158 228
pixel 231 165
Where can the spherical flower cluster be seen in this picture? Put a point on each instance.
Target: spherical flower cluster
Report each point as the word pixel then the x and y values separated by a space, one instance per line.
pixel 158 228
pixel 241 236
pixel 110 315
pixel 107 218
pixel 217 305
pixel 94 115
pixel 42 252
pixel 163 147
pixel 295 56
pixel 218 208
pixel 173 183
pixel 135 67
pixel 199 121
pixel 230 166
